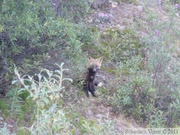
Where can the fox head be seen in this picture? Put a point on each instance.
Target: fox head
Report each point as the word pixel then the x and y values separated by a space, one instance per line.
pixel 95 64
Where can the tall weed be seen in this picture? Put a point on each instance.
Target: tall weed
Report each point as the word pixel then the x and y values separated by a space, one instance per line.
pixel 46 91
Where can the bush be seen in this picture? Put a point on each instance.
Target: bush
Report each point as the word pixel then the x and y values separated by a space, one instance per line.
pixel 163 64
pixel 71 10
pixel 46 107
pixel 148 92
pixel 149 83
pixel 46 92
pixel 31 30
pixel 118 46
pixel 134 95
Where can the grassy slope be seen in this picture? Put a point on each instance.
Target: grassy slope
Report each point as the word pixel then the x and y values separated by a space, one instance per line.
pixel 97 110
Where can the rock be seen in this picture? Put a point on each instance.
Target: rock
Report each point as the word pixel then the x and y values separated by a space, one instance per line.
pixel 114 4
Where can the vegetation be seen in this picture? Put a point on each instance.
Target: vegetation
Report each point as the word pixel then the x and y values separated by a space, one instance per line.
pixel 140 70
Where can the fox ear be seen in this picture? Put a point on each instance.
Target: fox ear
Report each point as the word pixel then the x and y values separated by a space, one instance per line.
pixel 90 58
pixel 100 59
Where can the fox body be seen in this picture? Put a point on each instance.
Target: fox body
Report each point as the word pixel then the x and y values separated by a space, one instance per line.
pixel 90 77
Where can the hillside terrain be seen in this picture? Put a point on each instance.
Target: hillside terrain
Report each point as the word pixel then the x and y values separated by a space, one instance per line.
pixel 140 72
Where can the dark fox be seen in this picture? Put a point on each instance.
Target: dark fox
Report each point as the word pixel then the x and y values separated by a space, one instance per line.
pixel 90 77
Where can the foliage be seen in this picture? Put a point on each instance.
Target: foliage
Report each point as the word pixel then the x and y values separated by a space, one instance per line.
pixel 101 128
pixel 128 1
pixel 134 95
pixel 164 65
pixel 3 107
pixel 118 45
pixel 141 63
pixel 89 126
pixel 73 10
pixel 146 84
pixel 31 30
pixel 156 120
pixel 143 91
pixel 5 130
pixel 46 93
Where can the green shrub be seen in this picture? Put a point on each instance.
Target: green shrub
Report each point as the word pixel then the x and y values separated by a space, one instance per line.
pixel 3 107
pixel 31 30
pixel 46 93
pixel 163 63
pixel 134 95
pixel 100 128
pixel 149 83
pixel 157 120
pixel 72 10
pixel 141 92
pixel 5 130
pixel 118 46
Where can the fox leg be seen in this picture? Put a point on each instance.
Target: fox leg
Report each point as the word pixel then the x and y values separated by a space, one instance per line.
pixel 92 88
pixel 95 82
pixel 87 94
pixel 86 88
